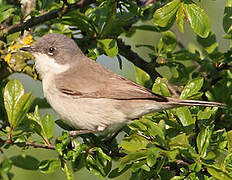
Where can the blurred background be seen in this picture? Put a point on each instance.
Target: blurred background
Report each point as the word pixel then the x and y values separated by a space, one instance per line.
pixel 214 8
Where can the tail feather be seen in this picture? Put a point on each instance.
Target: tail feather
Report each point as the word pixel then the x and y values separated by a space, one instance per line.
pixel 186 102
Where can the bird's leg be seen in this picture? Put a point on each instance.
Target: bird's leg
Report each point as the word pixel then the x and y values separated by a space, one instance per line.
pixel 80 132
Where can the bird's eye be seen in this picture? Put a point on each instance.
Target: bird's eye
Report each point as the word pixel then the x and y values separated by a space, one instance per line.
pixel 51 50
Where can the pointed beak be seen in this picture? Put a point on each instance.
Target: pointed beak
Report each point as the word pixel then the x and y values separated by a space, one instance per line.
pixel 28 49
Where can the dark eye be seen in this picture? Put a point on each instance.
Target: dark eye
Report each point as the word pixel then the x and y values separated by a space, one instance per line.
pixel 51 50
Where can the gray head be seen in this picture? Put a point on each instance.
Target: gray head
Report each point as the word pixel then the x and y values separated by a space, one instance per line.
pixel 57 46
pixel 54 53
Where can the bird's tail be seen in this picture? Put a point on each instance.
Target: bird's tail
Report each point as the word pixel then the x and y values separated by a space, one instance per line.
pixel 186 102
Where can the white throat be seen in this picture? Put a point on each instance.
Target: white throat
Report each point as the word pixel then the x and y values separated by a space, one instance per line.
pixel 46 65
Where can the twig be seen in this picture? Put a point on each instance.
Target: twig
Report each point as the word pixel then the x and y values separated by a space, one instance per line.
pixel 32 144
pixel 40 19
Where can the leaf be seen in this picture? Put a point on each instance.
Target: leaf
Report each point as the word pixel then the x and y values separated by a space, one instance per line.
pixel 16 104
pixel 192 88
pixel 5 166
pixel 68 172
pixel 165 16
pixel 63 125
pixel 109 46
pixel 180 18
pixel 227 20
pixel 160 87
pixel 5 12
pixel 49 166
pixel 209 44
pixel 134 143
pixel 25 162
pixel 48 125
pixel 185 116
pixel 143 78
pixel 142 154
pixel 203 139
pixel 218 173
pixel 167 42
pixel 179 141
pixel 152 154
pixel 197 18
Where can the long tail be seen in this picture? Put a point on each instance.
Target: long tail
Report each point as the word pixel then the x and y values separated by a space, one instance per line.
pixel 186 102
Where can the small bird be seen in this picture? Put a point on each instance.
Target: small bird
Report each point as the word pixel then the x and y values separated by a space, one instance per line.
pixel 88 96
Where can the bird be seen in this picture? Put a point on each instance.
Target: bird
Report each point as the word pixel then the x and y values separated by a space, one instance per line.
pixel 88 96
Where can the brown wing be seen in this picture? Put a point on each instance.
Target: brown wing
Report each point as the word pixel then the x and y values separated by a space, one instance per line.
pixel 89 79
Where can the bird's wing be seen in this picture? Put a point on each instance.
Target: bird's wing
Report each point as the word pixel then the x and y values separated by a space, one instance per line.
pixel 89 79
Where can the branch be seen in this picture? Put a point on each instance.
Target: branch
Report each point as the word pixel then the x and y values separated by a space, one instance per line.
pixel 40 19
pixel 32 144
pixel 149 67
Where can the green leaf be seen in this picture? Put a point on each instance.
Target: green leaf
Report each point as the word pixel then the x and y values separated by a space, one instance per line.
pixel 25 162
pixel 48 125
pixel 109 46
pixel 197 18
pixel 134 142
pixel 203 140
pixel 185 116
pixel 227 20
pixel 228 162
pixel 16 104
pixel 179 141
pixel 218 173
pixel 143 78
pixel 68 172
pixel 180 18
pixel 160 87
pixel 209 44
pixel 63 125
pixel 192 88
pixel 142 154
pixel 152 154
pixel 49 166
pixel 5 166
pixel 165 16
pixel 5 12
pixel 167 42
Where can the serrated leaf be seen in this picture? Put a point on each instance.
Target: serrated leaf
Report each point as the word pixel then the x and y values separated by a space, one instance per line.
pixel 192 88
pixel 16 104
pixel 167 42
pixel 49 166
pixel 25 162
pixel 165 16
pixel 48 125
pixel 109 46
pixel 185 116
pixel 197 18
pixel 134 143
pixel 180 18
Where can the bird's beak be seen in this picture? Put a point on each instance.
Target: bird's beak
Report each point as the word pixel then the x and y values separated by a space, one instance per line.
pixel 28 49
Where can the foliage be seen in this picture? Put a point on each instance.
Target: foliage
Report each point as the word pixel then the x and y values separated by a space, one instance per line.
pixel 183 143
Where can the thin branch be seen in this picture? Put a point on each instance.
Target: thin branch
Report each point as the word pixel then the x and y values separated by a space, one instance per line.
pixel 40 19
pixel 125 50
pixel 30 144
